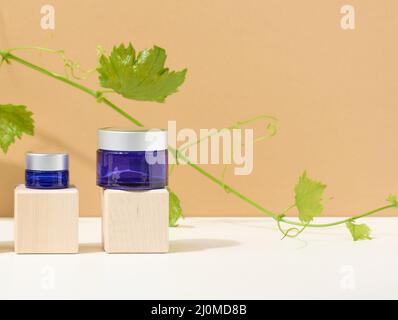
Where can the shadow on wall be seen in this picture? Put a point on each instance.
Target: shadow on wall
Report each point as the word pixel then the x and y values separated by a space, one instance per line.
pixel 3 35
pixel 48 139
pixel 14 176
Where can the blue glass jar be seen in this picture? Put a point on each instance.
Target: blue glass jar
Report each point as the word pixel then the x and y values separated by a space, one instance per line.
pixel 47 171
pixel 132 159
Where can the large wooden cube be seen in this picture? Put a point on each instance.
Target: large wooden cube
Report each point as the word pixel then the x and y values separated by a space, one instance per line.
pixel 46 221
pixel 135 222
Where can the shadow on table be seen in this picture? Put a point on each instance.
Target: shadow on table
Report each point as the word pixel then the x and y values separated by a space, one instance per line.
pixel 86 248
pixel 6 247
pixel 176 246
pixel 192 245
pixel 185 226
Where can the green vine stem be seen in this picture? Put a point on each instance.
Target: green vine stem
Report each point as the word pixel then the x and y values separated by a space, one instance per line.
pixel 337 223
pixel 69 65
pixel 272 128
pixel 275 216
pixel 7 56
pixel 99 95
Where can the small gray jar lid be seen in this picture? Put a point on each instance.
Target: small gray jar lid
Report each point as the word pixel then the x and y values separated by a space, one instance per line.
pixel 47 161
pixel 119 139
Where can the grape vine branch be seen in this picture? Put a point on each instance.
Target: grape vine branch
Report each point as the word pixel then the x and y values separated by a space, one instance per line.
pixel 308 200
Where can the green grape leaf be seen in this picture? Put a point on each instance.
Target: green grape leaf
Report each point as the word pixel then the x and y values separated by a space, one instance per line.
pixel 309 198
pixel 176 212
pixel 141 76
pixel 359 231
pixel 15 120
pixel 392 199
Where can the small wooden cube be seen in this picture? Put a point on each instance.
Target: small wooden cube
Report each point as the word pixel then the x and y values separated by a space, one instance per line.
pixel 136 222
pixel 46 221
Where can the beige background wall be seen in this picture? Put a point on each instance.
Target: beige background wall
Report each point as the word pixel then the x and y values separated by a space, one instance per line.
pixel 335 92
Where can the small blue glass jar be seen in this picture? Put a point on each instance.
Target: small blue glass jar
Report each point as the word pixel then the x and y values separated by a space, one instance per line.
pixel 47 171
pixel 130 159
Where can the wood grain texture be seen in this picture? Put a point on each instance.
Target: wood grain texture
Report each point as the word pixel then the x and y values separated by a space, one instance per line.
pixel 135 222
pixel 46 221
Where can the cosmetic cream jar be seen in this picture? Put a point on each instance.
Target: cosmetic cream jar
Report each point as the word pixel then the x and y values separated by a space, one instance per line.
pixel 47 170
pixel 129 159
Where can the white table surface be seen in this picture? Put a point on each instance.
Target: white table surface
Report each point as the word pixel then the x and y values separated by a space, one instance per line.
pixel 212 258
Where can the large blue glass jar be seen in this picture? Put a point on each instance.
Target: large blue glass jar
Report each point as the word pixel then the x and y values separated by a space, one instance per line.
pixel 130 159
pixel 47 171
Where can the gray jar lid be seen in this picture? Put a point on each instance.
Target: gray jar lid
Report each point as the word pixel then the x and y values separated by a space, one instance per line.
pixel 118 139
pixel 47 161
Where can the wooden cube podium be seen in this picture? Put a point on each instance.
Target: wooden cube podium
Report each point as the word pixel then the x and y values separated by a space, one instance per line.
pixel 135 222
pixel 46 221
